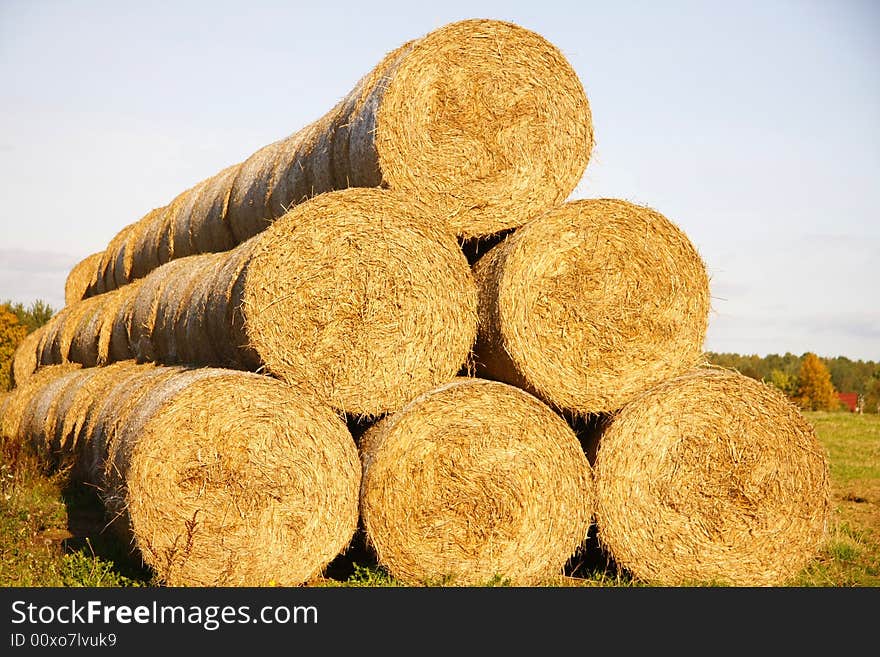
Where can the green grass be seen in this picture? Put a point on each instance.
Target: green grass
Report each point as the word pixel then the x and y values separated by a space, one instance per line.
pixel 52 532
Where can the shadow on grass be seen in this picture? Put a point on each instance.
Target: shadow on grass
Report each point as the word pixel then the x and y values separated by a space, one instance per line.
pixel 90 535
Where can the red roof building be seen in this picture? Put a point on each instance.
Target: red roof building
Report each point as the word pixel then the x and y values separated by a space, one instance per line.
pixel 849 399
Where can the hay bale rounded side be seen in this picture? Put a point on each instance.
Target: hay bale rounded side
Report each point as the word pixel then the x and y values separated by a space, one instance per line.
pixel 191 332
pixel 361 294
pixel 80 337
pixel 711 477
pixel 144 246
pixel 263 488
pixel 26 357
pixel 82 412
pixel 145 308
pixel 82 276
pixel 483 120
pixel 591 304
pixel 473 481
pixel 116 329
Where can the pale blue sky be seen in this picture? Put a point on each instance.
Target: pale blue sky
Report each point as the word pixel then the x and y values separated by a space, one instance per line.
pixel 755 126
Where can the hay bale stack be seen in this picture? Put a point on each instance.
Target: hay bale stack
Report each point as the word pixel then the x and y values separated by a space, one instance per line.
pixel 81 277
pixel 482 120
pixel 471 481
pixel 220 477
pixel 711 477
pixel 358 293
pixel 591 304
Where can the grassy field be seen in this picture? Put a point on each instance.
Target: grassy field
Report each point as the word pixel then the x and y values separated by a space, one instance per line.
pixel 51 531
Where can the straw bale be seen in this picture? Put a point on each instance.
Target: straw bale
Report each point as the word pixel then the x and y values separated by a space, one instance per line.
pixel 362 295
pixel 711 477
pixel 482 120
pixel 25 358
pixel 591 304
pixel 219 478
pixel 474 481
pixel 83 275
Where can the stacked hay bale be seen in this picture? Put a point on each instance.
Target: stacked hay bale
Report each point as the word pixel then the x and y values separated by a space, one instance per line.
pixel 711 477
pixel 358 294
pixel 482 120
pixel 329 260
pixel 219 478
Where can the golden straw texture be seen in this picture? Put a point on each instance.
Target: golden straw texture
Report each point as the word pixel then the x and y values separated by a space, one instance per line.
pixel 220 478
pixel 81 277
pixel 591 304
pixel 473 481
pixel 359 294
pixel 25 358
pixel 711 477
pixel 365 297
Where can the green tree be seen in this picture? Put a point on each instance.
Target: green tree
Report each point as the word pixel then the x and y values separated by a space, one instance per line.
pixel 787 383
pixel 11 333
pixel 32 317
pixel 872 396
pixel 815 392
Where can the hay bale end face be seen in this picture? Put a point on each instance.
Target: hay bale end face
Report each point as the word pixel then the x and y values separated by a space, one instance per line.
pixel 363 295
pixel 485 121
pixel 711 477
pixel 591 304
pixel 264 488
pixel 473 481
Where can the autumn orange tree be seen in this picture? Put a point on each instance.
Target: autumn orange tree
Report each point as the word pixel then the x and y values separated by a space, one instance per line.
pixel 815 392
pixel 11 333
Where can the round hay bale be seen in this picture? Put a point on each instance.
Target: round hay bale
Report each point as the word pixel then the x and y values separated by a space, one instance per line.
pixel 107 417
pixel 222 320
pixel 249 191
pixel 258 484
pixel 35 409
pixel 183 238
pixel 82 411
pixel 473 481
pixel 485 121
pixel 83 275
pixel 25 358
pixel 191 332
pixel 144 247
pixel 290 185
pixel 482 120
pixel 208 225
pixel 145 308
pixel 118 325
pixel 711 477
pixel 61 435
pixel 591 304
pixel 49 338
pixel 362 295
pixel 106 278
pixel 172 304
pixel 80 336
pixel 21 396
pixel 169 225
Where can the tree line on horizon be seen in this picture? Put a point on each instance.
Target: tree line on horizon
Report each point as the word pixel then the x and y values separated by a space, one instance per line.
pixel 811 381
